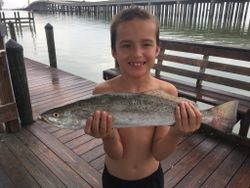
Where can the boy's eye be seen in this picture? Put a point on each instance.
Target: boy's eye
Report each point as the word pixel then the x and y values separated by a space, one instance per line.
pixel 126 46
pixel 147 44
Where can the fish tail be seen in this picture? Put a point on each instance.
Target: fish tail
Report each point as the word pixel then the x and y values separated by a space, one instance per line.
pixel 222 117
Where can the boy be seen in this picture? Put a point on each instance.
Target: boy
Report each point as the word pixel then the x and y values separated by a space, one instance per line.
pixel 133 154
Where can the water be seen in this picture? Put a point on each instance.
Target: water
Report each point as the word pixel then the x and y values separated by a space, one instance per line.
pixel 83 43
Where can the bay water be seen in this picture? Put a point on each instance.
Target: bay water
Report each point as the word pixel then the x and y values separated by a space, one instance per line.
pixel 83 42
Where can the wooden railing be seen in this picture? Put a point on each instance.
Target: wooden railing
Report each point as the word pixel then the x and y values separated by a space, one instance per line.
pixel 9 119
pixel 210 74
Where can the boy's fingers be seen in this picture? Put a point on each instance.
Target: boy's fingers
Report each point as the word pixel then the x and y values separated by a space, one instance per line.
pixel 109 124
pixel 191 115
pixel 103 123
pixel 96 122
pixel 178 116
pixel 87 128
pixel 184 117
pixel 197 115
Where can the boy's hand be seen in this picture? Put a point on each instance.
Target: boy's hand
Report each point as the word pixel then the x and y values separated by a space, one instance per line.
pixel 99 125
pixel 188 119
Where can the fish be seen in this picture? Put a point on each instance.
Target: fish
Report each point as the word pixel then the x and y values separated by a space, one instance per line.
pixel 150 108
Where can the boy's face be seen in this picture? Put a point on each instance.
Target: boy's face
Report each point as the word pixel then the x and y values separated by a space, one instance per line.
pixel 136 48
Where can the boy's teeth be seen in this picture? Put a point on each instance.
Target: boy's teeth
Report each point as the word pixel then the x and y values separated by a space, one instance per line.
pixel 136 64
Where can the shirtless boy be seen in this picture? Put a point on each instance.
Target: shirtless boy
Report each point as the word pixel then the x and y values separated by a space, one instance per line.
pixel 133 155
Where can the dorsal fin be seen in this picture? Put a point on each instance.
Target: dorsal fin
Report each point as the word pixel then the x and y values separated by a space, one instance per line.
pixel 165 95
pixel 160 93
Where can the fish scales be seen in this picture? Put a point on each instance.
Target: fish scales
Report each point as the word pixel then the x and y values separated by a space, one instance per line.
pixel 151 108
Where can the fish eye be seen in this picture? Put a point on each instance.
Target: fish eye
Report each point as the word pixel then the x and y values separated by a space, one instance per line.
pixel 56 115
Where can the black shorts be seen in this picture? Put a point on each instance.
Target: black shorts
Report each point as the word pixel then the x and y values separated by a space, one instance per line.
pixel 155 180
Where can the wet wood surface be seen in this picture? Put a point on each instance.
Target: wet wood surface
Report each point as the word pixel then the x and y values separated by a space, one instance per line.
pixel 41 155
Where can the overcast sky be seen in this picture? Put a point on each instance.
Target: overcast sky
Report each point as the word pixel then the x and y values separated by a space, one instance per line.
pixel 10 4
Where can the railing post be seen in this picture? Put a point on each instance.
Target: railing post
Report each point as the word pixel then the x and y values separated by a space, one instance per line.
pixel 12 31
pixel 19 81
pixel 51 45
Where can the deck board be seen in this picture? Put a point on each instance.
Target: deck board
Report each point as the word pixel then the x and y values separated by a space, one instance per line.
pixel 41 155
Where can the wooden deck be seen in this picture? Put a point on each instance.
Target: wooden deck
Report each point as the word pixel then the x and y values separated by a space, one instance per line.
pixel 41 155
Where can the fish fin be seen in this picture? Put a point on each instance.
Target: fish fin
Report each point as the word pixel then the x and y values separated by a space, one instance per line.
pixel 224 116
pixel 165 95
pixel 160 93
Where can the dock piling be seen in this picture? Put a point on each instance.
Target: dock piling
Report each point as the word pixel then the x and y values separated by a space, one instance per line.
pixel 12 31
pixel 19 81
pixel 51 45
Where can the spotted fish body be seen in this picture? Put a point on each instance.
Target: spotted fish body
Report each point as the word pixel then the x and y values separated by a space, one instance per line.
pixel 153 108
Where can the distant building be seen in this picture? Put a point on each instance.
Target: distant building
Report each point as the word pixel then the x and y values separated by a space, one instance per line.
pixel 1 4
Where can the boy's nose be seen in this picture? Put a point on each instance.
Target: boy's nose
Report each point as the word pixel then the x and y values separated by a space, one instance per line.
pixel 137 52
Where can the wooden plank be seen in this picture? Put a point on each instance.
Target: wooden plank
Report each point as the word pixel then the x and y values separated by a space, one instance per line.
pixel 179 171
pixel 227 81
pixel 178 71
pixel 4 179
pixel 229 68
pixel 62 132
pixel 8 112
pixel 227 169
pixel 87 146
pixel 206 167
pixel 59 96
pixel 42 83
pixel 52 103
pixel 72 136
pixel 43 97
pixel 47 91
pixel 13 168
pixel 181 151
pixel 98 163
pixel 78 141
pixel 66 174
pixel 88 173
pixel 181 60
pixel 93 153
pixel 207 49
pixel 32 164
pixel 241 178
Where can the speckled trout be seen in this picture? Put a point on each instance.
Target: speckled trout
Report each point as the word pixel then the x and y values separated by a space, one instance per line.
pixel 152 108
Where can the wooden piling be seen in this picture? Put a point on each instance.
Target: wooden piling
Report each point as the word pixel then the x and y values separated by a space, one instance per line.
pixel 19 81
pixel 12 31
pixel 51 45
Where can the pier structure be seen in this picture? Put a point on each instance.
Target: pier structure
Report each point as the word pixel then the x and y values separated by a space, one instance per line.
pixel 1 4
pixel 231 15
pixel 18 20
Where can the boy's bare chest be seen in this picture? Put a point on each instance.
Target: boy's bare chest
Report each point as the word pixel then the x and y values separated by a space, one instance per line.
pixel 137 137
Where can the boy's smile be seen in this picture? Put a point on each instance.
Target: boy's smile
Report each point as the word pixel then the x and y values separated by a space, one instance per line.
pixel 137 64
pixel 136 47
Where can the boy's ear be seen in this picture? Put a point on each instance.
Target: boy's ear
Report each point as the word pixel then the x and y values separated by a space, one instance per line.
pixel 113 53
pixel 158 49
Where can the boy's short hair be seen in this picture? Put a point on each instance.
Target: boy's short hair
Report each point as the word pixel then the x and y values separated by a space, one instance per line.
pixel 128 15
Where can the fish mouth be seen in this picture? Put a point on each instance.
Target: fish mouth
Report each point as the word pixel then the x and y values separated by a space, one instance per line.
pixel 43 119
pixel 137 64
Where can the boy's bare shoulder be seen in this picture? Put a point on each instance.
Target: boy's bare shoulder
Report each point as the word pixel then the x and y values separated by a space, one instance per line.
pixel 167 87
pixel 103 87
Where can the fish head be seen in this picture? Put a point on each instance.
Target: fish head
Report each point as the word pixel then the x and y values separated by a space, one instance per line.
pixel 72 118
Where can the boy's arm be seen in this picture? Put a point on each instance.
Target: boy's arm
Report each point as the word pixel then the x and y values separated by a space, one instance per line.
pixel 188 119
pixel 166 138
pixel 99 125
